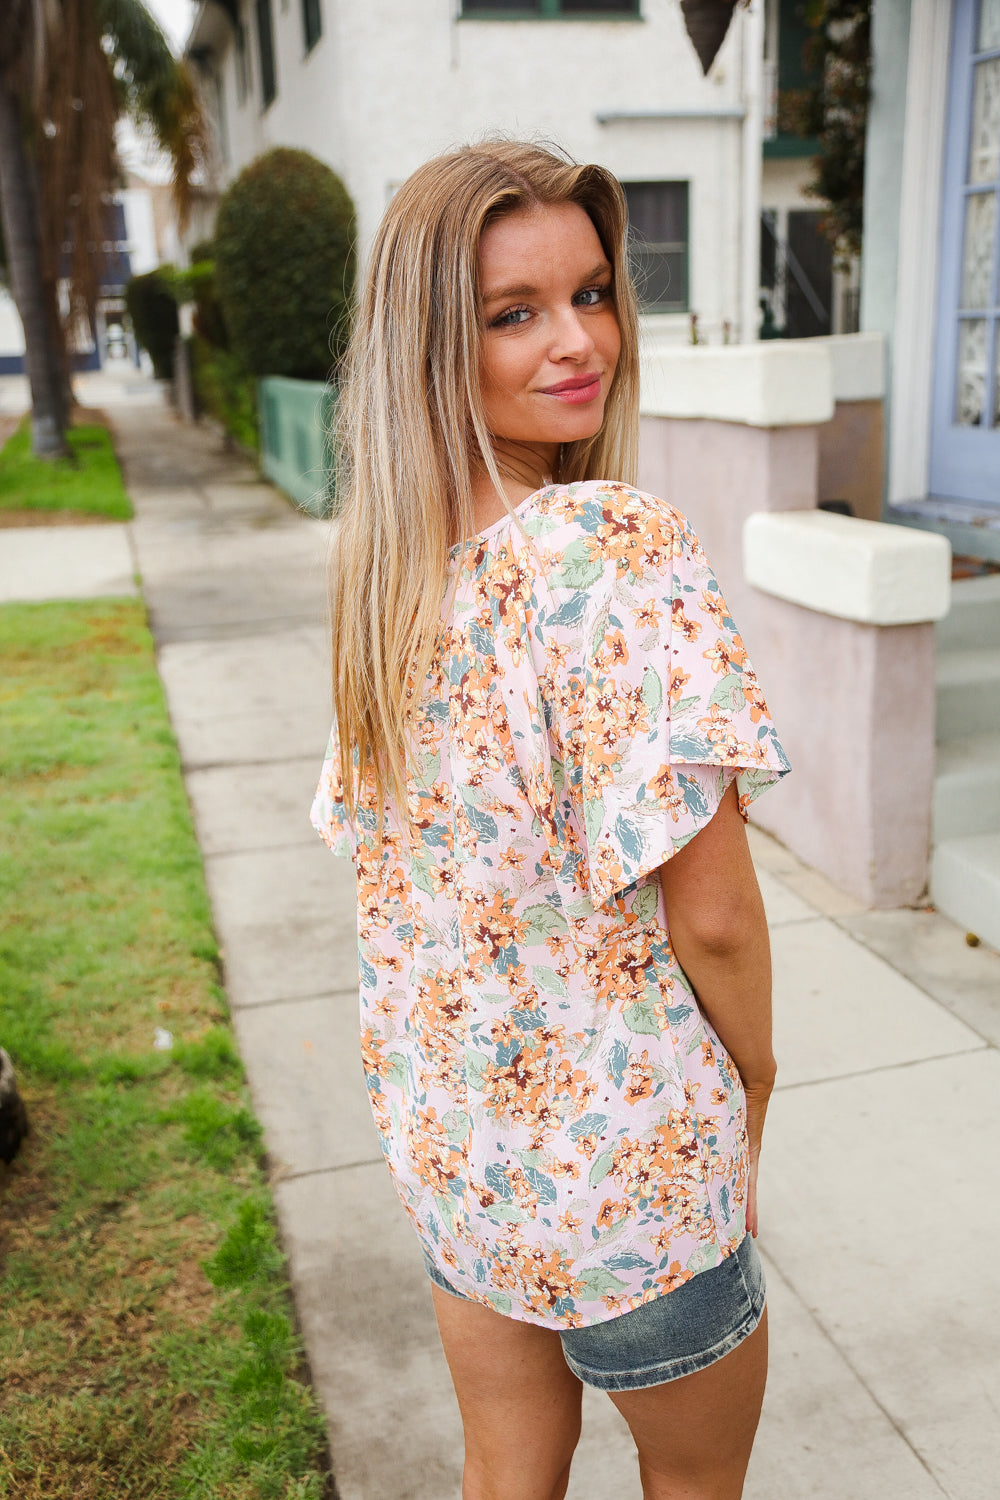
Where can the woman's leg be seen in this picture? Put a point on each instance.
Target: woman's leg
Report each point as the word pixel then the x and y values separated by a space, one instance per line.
pixel 519 1400
pixel 694 1434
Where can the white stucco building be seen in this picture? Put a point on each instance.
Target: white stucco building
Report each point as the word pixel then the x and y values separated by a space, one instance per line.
pixel 376 88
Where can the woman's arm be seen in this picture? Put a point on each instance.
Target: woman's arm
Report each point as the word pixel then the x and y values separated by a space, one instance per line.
pixel 719 933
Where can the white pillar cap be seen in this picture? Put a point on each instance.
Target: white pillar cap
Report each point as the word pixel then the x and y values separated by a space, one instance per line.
pixel 869 571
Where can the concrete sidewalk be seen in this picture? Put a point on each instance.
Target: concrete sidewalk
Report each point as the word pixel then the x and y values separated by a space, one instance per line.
pixel 879 1199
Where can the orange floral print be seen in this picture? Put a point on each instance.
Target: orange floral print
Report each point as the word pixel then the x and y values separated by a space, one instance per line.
pixel 563 1127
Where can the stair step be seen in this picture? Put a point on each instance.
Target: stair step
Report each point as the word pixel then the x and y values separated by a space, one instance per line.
pixel 974 618
pixel 966 787
pixel 968 693
pixel 965 884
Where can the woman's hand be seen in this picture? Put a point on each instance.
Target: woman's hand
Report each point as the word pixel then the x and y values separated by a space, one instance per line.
pixel 757 1097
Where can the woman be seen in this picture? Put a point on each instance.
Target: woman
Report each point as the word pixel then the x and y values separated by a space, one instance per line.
pixel 554 733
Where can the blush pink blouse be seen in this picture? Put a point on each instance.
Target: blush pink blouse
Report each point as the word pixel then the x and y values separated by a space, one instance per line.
pixel 562 1124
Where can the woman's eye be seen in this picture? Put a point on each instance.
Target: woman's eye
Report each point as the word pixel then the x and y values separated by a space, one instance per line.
pixel 512 318
pixel 592 296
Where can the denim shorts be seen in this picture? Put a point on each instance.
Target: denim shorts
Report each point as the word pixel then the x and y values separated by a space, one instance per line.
pixel 677 1334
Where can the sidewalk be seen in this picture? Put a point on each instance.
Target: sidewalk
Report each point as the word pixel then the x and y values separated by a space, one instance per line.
pixel 878 1189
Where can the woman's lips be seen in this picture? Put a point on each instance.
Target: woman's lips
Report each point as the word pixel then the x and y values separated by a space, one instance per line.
pixel 576 392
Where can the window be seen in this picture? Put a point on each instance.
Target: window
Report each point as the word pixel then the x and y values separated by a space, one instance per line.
pixel 525 10
pixel 658 243
pixel 219 114
pixel 242 65
pixel 312 23
pixel 265 41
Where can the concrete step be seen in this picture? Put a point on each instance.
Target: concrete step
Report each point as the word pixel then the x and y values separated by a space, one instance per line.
pixel 966 787
pixel 968 693
pixel 974 618
pixel 965 884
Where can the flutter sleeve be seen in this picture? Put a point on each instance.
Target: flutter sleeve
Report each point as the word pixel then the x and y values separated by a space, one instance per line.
pixel 673 710
pixel 328 815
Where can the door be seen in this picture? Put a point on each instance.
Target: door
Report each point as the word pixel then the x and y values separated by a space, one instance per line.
pixel 965 422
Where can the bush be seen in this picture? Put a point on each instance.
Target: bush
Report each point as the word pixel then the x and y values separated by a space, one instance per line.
pixel 200 286
pixel 153 310
pixel 224 390
pixel 284 257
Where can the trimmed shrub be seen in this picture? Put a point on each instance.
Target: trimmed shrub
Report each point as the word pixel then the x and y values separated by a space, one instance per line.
pixel 208 320
pixel 284 264
pixel 153 309
pixel 224 390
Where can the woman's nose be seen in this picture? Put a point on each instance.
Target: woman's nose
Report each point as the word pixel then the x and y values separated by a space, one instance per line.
pixel 571 336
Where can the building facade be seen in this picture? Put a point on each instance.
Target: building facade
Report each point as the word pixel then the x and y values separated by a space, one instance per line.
pixel 931 264
pixel 376 89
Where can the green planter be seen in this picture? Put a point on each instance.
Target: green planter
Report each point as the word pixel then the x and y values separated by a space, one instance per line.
pixel 295 452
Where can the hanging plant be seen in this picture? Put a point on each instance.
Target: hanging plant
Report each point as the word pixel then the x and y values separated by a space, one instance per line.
pixel 834 109
pixel 707 22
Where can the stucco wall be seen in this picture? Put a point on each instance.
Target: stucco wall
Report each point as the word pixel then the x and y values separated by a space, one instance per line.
pixel 852 457
pixel 390 83
pixel 853 703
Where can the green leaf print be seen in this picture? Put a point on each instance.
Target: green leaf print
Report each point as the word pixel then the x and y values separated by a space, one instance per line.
pixel 702 1257
pixel 456 1124
pixel 541 525
pixel 728 693
pixel 579 570
pixel 685 705
pixel 558 773
pixel 644 904
pixel 652 690
pixel 548 981
pixel 507 1213
pixel 542 921
pixel 601 1167
pixel 593 817
pixel 421 876
pixel 429 769
pixel 598 1281
pixel 396 1070
pixel 640 1019
pixel 476 1064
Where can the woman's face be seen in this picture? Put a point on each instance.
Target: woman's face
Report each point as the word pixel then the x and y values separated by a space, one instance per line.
pixel 551 340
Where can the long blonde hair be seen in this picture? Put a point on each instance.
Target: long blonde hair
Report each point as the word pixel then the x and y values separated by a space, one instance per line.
pixel 411 428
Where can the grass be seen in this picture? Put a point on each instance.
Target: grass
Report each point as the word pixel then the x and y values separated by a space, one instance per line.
pixel 146 1336
pixel 89 483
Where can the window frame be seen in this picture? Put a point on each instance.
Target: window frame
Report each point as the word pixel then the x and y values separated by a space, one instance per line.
pixel 264 16
pixel 241 57
pixel 310 36
pixel 548 10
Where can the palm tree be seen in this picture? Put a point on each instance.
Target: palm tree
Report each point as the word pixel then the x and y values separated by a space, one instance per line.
pixel 68 70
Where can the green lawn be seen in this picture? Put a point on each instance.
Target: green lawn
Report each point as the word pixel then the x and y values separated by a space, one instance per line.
pixel 89 482
pixel 147 1347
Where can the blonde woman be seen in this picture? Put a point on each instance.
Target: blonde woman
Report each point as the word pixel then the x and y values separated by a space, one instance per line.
pixel 552 732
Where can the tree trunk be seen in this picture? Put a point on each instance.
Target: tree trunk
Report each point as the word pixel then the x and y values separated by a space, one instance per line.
pixel 24 263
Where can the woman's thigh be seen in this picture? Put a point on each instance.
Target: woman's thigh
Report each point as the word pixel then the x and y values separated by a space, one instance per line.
pixel 519 1400
pixel 694 1434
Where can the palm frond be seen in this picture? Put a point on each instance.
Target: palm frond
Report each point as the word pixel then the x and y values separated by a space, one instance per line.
pixel 156 89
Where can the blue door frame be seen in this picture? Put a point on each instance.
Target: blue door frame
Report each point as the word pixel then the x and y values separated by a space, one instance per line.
pixel 964 459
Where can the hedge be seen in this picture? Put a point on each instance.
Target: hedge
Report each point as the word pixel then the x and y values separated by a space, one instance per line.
pixel 284 265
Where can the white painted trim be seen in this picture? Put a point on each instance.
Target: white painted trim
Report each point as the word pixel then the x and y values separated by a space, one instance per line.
pixel 779 383
pixel 919 234
pixel 858 365
pixel 866 571
pixel 654 116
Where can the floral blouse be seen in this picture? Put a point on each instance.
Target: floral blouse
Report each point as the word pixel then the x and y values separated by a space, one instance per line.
pixel 562 1124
